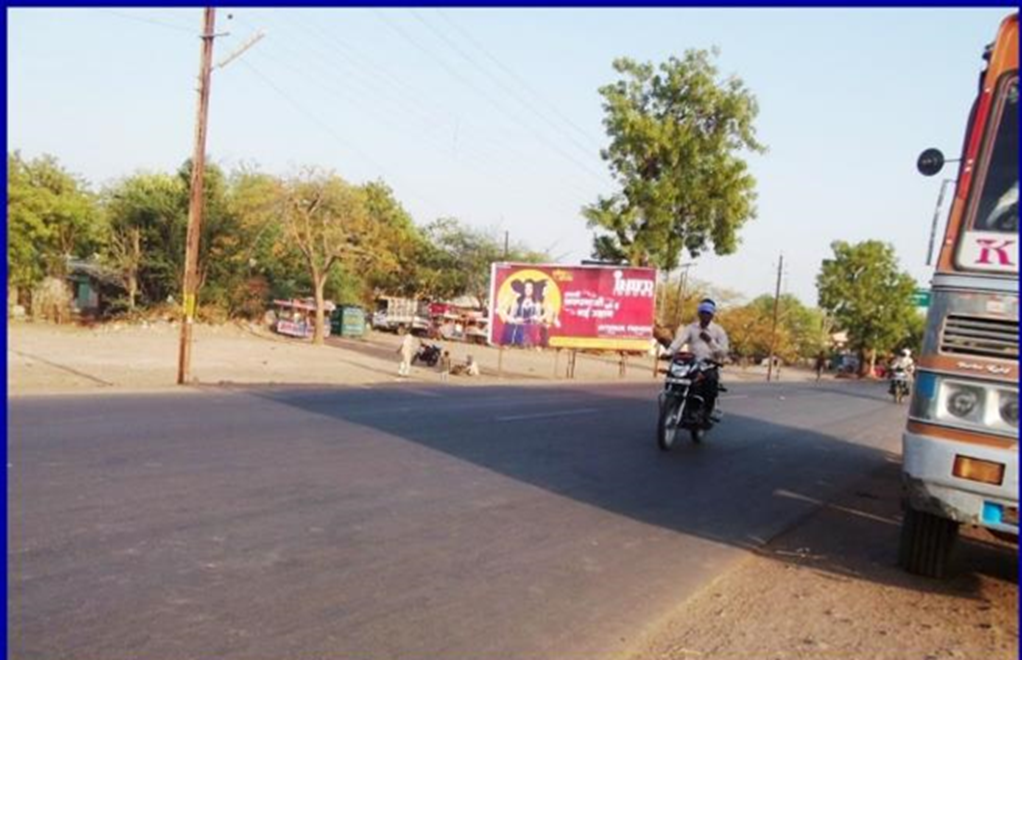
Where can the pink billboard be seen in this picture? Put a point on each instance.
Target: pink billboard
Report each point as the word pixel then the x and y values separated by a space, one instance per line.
pixel 572 307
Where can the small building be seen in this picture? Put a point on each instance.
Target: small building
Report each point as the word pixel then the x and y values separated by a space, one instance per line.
pixel 94 289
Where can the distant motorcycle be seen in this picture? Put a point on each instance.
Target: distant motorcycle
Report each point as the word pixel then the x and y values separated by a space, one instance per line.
pixel 681 403
pixel 901 385
pixel 428 354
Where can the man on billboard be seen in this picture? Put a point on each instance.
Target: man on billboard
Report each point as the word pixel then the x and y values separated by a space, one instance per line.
pixel 706 340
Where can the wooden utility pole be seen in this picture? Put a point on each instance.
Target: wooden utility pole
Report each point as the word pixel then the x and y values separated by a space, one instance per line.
pixel 773 334
pixel 682 290
pixel 190 277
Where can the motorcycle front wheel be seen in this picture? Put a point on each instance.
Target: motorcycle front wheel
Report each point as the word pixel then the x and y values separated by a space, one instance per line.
pixel 666 432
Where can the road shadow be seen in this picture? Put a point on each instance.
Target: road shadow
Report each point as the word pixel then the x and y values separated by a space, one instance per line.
pixel 856 535
pixel 754 479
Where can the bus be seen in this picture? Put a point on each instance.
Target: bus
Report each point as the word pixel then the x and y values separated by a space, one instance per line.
pixel 961 442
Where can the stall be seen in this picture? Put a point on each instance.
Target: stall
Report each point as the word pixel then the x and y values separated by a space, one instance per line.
pixel 296 317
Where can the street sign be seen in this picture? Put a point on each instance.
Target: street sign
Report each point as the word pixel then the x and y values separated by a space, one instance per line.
pixel 921 299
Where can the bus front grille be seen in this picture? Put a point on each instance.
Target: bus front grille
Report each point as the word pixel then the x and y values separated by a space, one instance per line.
pixel 966 334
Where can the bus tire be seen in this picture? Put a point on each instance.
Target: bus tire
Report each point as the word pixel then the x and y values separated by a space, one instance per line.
pixel 927 544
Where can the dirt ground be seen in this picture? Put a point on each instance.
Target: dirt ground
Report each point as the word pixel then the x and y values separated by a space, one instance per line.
pixel 46 359
pixel 827 588
pixel 830 588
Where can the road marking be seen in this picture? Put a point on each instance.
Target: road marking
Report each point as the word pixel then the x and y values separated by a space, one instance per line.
pixel 541 415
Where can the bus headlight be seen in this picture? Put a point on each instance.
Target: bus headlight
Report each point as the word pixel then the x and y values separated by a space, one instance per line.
pixel 983 406
pixel 1009 408
pixel 963 401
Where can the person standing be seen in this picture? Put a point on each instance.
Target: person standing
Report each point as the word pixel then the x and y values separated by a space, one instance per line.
pixel 820 364
pixel 406 350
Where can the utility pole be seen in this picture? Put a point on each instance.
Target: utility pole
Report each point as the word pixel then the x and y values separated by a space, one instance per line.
pixel 190 277
pixel 773 334
pixel 682 290
pixel 505 247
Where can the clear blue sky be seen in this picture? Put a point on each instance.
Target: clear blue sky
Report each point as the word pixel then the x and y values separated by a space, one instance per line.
pixel 493 116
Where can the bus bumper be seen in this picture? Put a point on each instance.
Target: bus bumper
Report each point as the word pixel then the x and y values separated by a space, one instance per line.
pixel 931 486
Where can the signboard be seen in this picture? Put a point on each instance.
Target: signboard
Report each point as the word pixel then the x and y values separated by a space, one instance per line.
pixel 989 251
pixel 572 307
pixel 921 299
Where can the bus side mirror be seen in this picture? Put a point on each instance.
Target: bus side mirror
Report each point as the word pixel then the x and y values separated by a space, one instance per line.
pixel 930 162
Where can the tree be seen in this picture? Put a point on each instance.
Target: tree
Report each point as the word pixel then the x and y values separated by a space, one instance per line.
pixel 125 256
pixel 869 296
pixel 154 207
pixel 326 219
pixel 676 134
pixel 51 216
pixel 750 331
pixel 461 257
pixel 801 330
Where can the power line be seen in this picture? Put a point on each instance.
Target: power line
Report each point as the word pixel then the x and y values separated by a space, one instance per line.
pixel 504 85
pixel 153 22
pixel 348 89
pixel 465 81
pixel 593 147
pixel 414 99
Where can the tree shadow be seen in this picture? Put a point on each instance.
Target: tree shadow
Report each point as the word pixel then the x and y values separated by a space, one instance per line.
pixel 751 483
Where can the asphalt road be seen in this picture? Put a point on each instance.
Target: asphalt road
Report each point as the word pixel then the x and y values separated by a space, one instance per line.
pixel 420 521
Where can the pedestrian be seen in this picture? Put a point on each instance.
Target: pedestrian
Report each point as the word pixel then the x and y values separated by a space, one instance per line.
pixel 472 367
pixel 445 364
pixel 406 350
pixel 821 361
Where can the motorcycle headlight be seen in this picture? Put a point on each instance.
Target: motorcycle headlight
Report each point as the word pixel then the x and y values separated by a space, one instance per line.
pixel 1009 409
pixel 678 369
pixel 963 401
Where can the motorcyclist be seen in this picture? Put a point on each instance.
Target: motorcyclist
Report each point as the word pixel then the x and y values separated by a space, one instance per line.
pixel 903 364
pixel 707 341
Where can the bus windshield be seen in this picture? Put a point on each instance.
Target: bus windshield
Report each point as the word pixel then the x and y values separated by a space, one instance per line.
pixel 998 208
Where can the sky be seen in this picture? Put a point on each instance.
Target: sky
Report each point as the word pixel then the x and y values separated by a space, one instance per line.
pixel 493 115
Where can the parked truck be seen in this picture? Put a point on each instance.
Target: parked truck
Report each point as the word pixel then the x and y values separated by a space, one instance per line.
pixel 961 457
pixel 401 314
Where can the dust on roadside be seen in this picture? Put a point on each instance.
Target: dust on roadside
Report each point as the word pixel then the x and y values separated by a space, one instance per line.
pixel 830 588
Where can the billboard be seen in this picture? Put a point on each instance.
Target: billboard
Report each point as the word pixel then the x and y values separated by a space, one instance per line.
pixel 572 307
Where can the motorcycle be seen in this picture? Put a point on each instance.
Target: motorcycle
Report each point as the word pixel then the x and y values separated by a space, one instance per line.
pixel 428 354
pixel 681 403
pixel 901 385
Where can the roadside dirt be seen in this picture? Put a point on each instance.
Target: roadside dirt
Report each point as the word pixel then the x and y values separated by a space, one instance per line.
pixel 830 588
pixel 47 359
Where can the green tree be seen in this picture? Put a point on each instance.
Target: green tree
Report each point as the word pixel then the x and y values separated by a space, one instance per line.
pixel 146 218
pixel 394 246
pixel 327 220
pixel 152 207
pixel 800 328
pixel 460 257
pixel 676 136
pixel 51 216
pixel 868 295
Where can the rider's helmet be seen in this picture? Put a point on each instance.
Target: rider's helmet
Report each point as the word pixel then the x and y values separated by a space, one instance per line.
pixel 907 352
pixel 707 306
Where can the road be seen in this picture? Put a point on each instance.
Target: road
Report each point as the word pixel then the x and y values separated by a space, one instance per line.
pixel 414 521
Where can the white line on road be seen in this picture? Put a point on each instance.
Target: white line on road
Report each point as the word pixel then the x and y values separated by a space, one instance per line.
pixel 541 415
